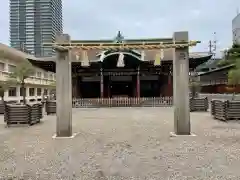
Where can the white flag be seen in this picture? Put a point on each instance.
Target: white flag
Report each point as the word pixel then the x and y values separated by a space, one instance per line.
pixel 85 60
pixel 102 56
pixel 120 62
pixel 143 55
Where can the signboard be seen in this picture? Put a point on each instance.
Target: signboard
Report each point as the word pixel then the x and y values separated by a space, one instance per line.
pixel 182 56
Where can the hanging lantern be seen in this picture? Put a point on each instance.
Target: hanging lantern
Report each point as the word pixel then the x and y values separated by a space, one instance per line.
pixel 162 54
pixel 143 55
pixel 77 57
pixel 102 56
pixel 85 60
pixel 157 61
pixel 120 62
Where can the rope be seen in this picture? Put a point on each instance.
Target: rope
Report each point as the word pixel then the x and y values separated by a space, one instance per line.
pixel 122 47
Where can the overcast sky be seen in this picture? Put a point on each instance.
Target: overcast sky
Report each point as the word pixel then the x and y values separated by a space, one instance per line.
pixel 95 19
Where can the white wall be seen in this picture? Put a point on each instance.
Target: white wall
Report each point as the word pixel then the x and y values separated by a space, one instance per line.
pixel 41 79
pixel 236 29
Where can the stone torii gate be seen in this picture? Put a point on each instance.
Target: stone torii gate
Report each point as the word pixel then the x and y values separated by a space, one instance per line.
pixel 180 45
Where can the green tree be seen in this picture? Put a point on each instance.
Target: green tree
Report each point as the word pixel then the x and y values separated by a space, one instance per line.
pixel 23 71
pixel 234 76
pixel 4 86
pixel 234 52
pixel 225 62
pixel 230 56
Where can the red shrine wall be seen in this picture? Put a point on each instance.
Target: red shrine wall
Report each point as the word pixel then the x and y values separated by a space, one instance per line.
pixel 167 88
pixel 221 89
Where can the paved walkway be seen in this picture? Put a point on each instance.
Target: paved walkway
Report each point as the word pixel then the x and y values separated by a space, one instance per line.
pixel 122 143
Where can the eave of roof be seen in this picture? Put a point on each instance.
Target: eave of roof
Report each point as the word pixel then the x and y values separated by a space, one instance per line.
pixel 218 69
pixel 12 53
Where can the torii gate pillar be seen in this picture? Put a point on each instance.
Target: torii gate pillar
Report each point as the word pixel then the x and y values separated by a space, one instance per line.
pixel 64 94
pixel 181 86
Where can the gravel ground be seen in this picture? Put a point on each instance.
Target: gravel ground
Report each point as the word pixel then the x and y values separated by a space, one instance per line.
pixel 122 143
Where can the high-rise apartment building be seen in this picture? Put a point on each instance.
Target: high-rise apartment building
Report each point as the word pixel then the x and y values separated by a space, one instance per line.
pixel 34 22
pixel 236 29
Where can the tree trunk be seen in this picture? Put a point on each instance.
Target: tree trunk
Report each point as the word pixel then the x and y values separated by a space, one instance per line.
pixel 233 96
pixel 24 92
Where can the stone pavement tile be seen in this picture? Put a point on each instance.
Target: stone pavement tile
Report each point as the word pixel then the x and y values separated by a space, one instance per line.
pixel 122 143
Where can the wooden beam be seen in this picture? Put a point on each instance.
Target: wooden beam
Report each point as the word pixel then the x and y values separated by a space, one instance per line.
pixel 121 46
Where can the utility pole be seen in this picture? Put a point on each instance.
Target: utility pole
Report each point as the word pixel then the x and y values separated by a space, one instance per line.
pixel 213 46
pixel 210 47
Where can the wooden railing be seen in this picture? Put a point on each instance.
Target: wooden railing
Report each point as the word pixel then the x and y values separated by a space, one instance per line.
pixel 214 82
pixel 123 102
pixel 219 96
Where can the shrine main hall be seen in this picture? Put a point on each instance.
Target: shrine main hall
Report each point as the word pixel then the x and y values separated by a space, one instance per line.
pixel 123 72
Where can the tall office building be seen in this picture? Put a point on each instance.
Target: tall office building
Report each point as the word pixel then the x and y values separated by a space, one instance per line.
pixel 236 29
pixel 34 22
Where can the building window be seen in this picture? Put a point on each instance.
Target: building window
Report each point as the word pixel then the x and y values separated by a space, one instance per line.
pixel 46 75
pixel 45 92
pixel 11 68
pixel 39 74
pixel 39 91
pixel 2 66
pixel 31 91
pixel 33 74
pixel 12 92
pixel 22 90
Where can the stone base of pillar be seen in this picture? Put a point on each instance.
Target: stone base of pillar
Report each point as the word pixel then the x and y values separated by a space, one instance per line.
pixel 59 137
pixel 173 134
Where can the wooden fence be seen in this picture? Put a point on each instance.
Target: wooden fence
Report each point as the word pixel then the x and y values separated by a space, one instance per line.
pixel 123 102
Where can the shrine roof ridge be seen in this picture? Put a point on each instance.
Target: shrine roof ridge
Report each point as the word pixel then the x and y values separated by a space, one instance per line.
pixel 147 40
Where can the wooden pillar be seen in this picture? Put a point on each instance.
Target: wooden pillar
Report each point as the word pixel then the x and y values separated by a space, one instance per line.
pixel 161 87
pixel 79 78
pixel 101 83
pixel 109 86
pixel 170 86
pixel 138 83
pixel 64 94
pixel 181 86
pixel 74 87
